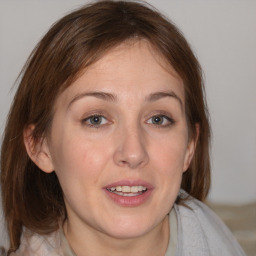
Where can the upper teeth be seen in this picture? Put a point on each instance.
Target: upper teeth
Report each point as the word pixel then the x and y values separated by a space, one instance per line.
pixel 128 189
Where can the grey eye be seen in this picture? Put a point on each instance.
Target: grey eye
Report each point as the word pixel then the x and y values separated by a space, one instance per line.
pixel 157 120
pixel 95 120
pixel 160 120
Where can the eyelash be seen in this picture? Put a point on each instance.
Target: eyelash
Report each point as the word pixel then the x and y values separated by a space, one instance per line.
pixel 100 116
pixel 166 119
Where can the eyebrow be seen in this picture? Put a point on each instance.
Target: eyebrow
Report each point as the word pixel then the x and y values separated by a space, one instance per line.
pixel 159 95
pixel 100 95
pixel 113 98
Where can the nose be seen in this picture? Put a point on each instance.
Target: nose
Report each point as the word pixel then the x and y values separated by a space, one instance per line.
pixel 131 150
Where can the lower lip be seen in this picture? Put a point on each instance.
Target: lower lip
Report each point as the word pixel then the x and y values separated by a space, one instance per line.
pixel 129 201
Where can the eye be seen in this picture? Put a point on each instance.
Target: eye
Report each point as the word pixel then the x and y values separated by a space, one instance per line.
pixel 160 120
pixel 95 120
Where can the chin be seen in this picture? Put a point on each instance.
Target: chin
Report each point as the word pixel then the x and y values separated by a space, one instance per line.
pixel 128 228
pixel 128 234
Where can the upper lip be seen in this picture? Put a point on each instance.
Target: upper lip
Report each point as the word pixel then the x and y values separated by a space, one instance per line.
pixel 130 183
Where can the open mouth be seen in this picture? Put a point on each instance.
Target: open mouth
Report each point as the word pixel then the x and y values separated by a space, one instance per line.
pixel 128 191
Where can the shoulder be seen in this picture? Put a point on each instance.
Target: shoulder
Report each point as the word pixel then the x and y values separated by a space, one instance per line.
pixel 33 244
pixel 199 229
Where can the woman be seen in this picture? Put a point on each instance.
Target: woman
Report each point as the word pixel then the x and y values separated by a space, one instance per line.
pixel 107 131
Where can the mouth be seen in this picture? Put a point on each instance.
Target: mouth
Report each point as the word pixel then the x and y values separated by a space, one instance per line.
pixel 129 193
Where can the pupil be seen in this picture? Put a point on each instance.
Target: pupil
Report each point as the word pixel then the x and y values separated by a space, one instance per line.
pixel 157 120
pixel 96 120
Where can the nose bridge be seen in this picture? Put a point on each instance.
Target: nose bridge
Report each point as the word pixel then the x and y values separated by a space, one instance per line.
pixel 131 150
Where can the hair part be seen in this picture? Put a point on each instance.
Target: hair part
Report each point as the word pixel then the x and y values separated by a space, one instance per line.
pixel 32 198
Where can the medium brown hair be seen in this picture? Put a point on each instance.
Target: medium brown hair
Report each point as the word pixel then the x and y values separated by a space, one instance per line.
pixel 32 198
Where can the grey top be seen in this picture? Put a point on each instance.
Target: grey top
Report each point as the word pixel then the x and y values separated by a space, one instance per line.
pixel 194 231
pixel 202 233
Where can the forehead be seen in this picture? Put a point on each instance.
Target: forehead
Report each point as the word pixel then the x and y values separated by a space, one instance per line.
pixel 134 67
pixel 139 52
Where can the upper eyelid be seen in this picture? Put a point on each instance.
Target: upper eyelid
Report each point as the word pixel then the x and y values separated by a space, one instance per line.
pixel 95 113
pixel 165 116
pixel 159 113
pixel 90 116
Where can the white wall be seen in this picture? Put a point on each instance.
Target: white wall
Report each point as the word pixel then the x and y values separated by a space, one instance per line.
pixel 223 36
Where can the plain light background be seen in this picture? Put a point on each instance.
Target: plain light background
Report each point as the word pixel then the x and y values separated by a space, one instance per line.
pixel 222 34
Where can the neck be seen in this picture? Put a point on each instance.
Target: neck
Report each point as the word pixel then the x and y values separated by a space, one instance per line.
pixel 88 241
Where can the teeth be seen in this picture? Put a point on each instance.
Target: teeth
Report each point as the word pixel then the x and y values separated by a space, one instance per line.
pixel 127 194
pixel 134 189
pixel 119 188
pixel 128 189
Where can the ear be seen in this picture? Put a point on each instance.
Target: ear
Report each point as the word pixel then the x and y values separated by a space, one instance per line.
pixel 191 149
pixel 38 151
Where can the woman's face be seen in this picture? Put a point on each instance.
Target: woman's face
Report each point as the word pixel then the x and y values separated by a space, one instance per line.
pixel 119 142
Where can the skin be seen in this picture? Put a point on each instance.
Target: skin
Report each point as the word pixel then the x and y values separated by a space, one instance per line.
pixel 126 144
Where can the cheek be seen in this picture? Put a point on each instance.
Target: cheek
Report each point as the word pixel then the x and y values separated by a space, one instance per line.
pixel 75 158
pixel 79 168
pixel 170 156
pixel 168 165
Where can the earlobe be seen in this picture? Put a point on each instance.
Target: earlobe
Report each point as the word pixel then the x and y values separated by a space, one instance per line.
pixel 191 148
pixel 38 151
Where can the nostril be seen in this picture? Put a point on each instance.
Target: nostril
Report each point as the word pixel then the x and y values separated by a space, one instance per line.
pixel 122 162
